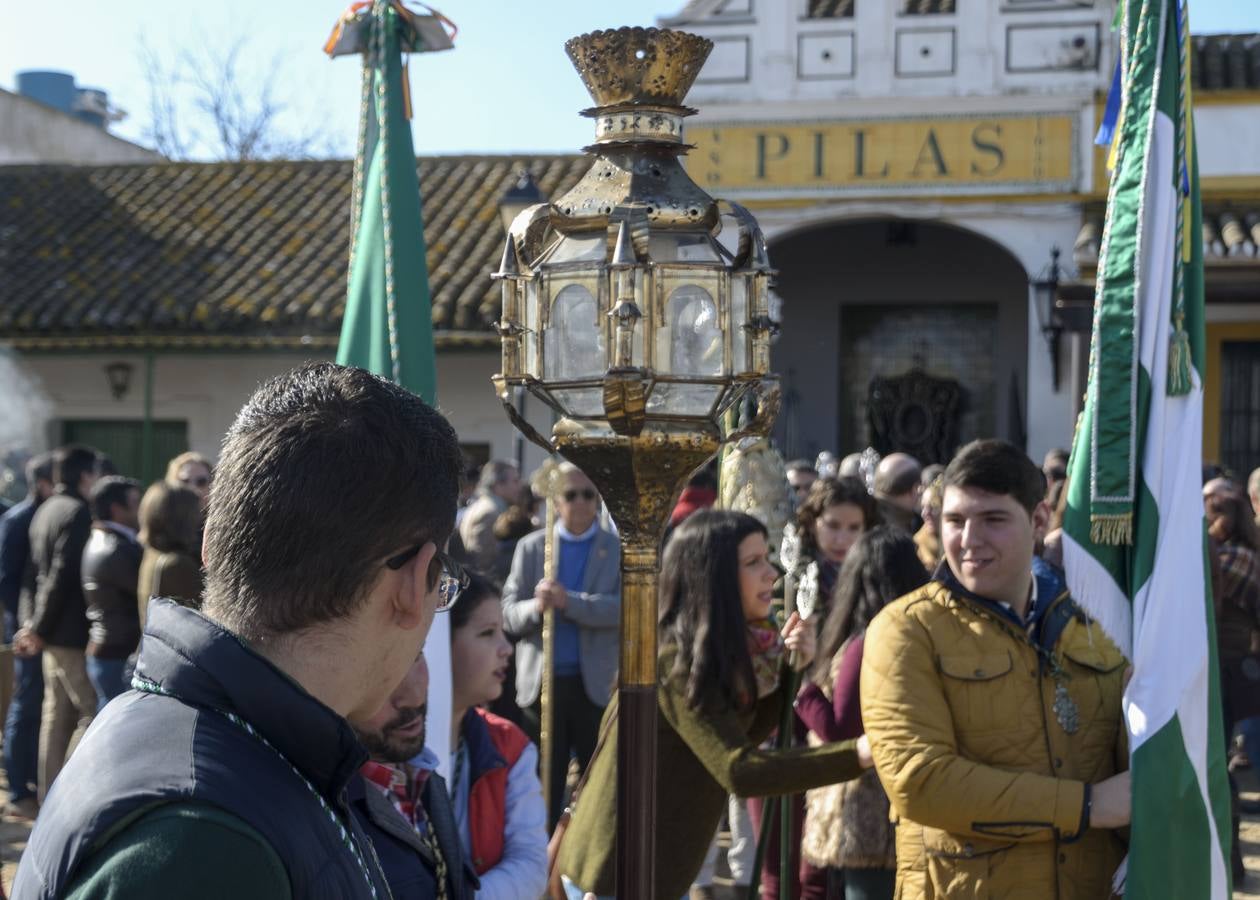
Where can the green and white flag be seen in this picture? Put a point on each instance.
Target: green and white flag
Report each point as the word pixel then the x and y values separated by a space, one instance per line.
pixel 387 328
pixel 1135 544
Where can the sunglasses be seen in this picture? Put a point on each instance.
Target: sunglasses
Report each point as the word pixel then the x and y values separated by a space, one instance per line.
pixel 585 493
pixel 450 575
pixel 199 481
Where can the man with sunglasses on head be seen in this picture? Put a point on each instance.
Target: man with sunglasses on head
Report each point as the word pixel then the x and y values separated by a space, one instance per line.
pixel 586 596
pixel 223 773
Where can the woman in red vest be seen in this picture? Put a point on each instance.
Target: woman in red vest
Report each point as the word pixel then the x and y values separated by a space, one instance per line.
pixel 494 784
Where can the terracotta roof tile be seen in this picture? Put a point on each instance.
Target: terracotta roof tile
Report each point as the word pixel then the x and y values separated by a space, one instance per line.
pixel 234 251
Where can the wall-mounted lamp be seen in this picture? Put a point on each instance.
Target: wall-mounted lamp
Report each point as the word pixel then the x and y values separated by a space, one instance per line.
pixel 119 375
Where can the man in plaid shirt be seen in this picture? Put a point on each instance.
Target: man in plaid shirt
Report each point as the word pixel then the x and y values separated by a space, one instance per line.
pixel 403 804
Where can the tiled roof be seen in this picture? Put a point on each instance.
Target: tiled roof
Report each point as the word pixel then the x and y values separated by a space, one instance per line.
pixel 1230 234
pixel 234 254
pixel 1226 61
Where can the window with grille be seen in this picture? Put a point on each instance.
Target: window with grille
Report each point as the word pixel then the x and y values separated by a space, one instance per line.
pixel 1240 406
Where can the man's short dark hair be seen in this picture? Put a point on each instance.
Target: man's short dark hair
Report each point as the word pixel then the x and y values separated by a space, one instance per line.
pixel 72 462
pixel 38 468
pixel 800 465
pixel 998 467
pixel 326 472
pixel 108 491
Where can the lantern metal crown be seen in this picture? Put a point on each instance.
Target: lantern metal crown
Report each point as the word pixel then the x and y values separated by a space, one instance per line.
pixel 621 308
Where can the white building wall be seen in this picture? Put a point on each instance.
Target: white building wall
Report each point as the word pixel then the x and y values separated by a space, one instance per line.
pixel 207 390
pixel 1228 138
pixel 31 132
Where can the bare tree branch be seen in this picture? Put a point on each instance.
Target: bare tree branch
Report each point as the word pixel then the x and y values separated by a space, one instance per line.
pixel 216 87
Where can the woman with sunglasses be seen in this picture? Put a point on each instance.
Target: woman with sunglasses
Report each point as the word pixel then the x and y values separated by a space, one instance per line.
pixel 720 666
pixel 494 786
pixel 193 471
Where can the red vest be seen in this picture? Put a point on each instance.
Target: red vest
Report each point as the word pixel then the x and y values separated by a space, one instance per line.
pixel 487 794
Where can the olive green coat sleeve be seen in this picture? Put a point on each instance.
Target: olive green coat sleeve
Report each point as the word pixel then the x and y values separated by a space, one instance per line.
pixel 733 758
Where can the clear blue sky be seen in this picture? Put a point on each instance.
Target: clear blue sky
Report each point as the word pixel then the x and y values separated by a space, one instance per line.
pixel 506 86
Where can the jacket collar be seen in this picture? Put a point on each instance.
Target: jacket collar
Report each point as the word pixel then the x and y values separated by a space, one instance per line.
pixel 64 490
pixel 381 812
pixel 1048 590
pixel 202 664
pixel 483 756
pixel 129 534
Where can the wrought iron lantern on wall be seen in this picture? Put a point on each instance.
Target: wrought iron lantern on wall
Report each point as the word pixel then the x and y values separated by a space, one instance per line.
pixel 636 307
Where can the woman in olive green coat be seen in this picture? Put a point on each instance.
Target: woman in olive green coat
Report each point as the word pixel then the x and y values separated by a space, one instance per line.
pixel 720 664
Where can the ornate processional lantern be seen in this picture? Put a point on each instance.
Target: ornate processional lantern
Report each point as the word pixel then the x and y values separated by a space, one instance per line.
pixel 628 317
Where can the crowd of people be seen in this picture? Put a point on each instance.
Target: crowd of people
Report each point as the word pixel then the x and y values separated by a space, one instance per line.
pixel 905 671
pixel 80 558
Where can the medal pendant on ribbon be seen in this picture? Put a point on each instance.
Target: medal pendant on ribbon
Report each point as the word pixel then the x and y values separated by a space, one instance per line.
pixel 1065 709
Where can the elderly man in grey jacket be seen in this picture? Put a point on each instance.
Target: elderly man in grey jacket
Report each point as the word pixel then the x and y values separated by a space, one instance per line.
pixel 586 595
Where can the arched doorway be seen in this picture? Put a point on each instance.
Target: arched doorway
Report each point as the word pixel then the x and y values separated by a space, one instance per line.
pixel 885 298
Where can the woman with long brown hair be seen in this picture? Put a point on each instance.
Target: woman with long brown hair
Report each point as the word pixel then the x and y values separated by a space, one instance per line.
pixel 846 829
pixel 720 666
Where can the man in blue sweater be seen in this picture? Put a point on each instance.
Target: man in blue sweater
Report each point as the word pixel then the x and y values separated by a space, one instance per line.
pixel 586 595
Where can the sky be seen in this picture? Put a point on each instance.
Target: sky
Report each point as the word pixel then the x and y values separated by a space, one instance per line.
pixel 507 86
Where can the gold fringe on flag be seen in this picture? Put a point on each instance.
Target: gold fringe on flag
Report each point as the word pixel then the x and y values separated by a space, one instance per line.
pixel 1115 530
pixel 1179 360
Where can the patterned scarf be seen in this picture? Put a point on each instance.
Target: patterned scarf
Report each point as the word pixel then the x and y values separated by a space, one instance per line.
pixel 765 647
pixel 402 784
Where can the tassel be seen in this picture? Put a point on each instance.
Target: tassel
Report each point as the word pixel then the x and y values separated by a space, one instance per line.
pixel 1179 360
pixel 1113 530
pixel 406 87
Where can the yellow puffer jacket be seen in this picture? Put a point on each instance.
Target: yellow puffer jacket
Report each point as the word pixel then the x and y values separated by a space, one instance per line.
pixel 987 785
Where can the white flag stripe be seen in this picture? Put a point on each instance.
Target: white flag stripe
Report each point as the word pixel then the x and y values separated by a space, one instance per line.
pixel 1094 588
pixel 1170 607
pixel 437 723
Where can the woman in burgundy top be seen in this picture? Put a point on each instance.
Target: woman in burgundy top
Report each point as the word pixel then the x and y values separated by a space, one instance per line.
pixel 846 825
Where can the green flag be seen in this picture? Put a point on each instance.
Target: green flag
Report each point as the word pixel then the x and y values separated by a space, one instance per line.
pixel 387 328
pixel 1135 547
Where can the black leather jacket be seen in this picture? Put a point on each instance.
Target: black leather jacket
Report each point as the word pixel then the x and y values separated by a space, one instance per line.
pixel 111 565
pixel 59 532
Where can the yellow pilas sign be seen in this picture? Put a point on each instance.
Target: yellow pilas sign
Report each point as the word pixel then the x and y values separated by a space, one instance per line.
pixel 1023 153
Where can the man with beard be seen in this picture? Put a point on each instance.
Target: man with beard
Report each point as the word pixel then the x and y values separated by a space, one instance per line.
pixel 403 804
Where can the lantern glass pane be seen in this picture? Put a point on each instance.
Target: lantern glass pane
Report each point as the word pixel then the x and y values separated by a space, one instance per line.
pixel 580 402
pixel 694 332
pixel 684 399
pixel 580 249
pixel 739 317
pixel 574 342
pixel 530 363
pixel 666 247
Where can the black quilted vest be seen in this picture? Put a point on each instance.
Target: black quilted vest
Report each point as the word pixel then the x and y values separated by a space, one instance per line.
pixel 176 745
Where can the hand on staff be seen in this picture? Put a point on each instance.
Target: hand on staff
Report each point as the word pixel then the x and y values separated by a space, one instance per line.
pixel 27 643
pixel 798 637
pixel 865 760
pixel 550 594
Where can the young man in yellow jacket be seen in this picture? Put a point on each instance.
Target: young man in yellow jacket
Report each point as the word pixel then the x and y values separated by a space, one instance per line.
pixel 992 704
